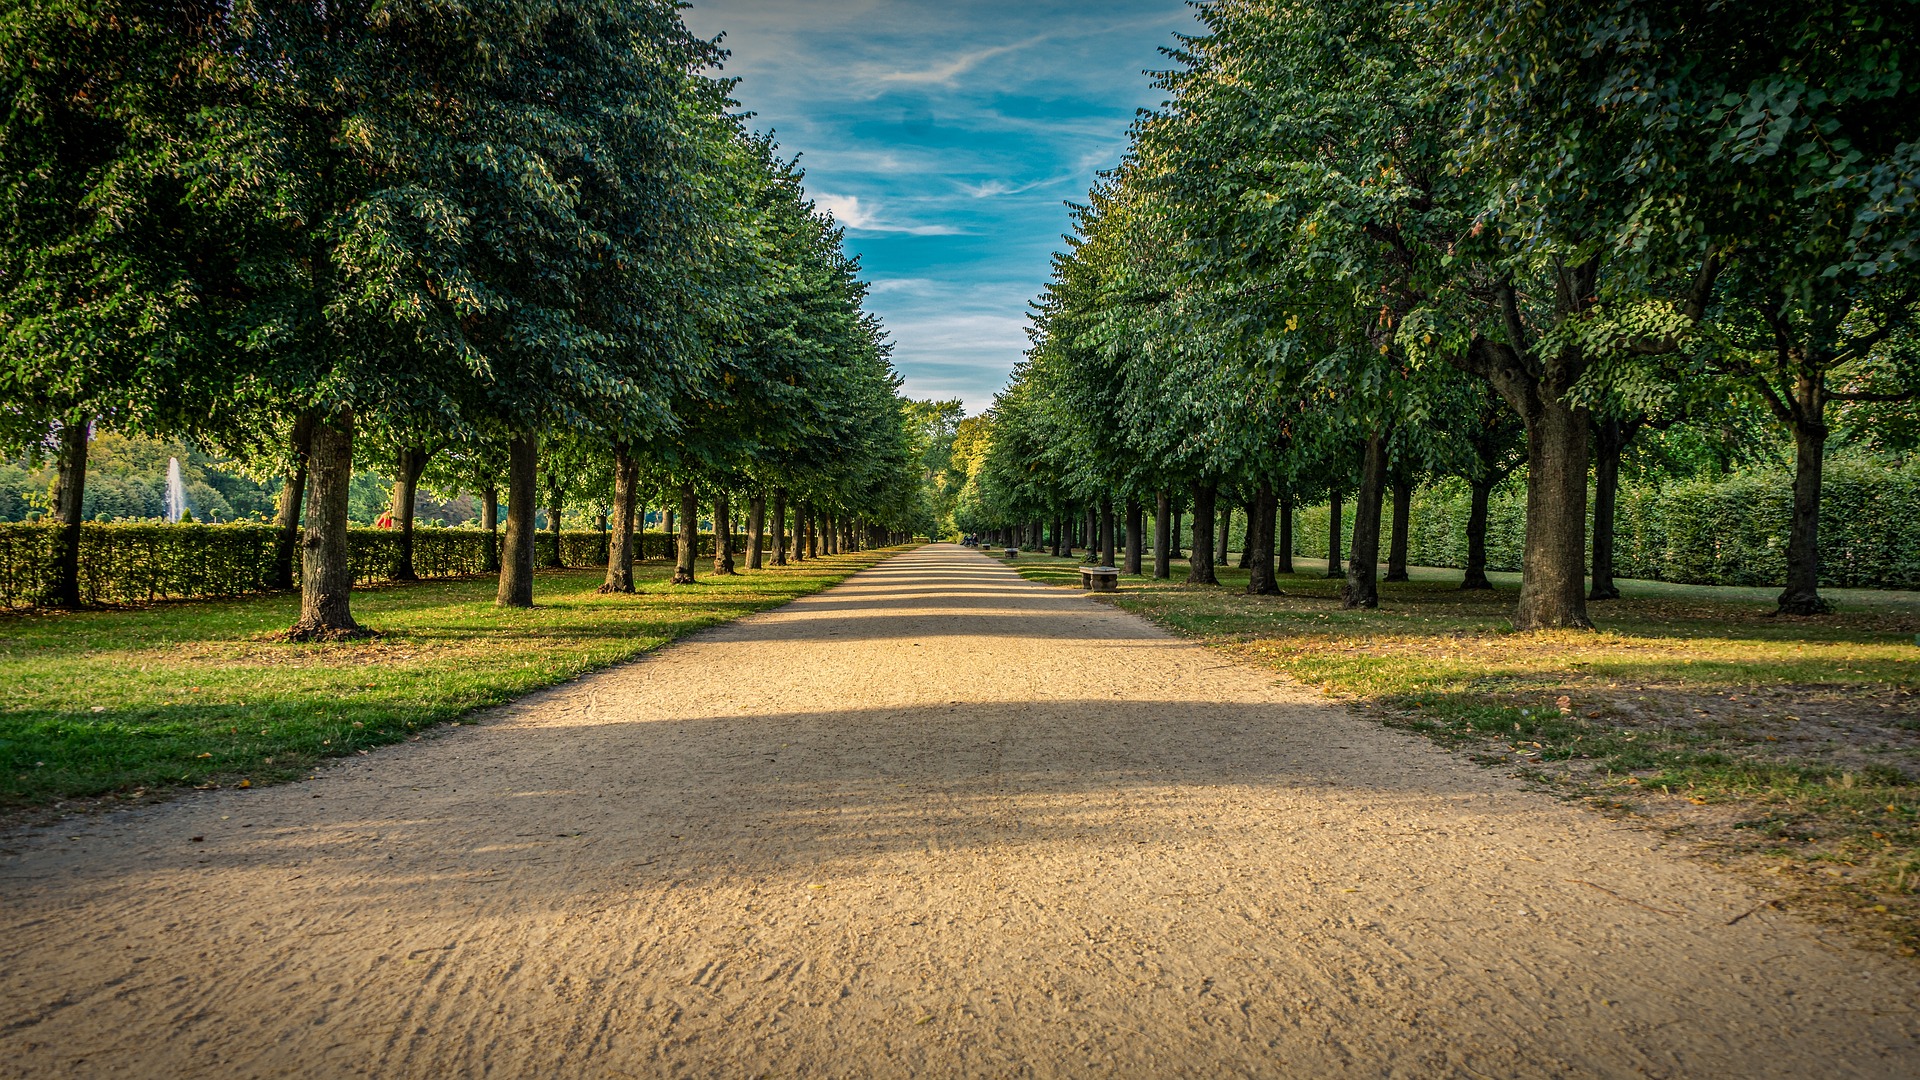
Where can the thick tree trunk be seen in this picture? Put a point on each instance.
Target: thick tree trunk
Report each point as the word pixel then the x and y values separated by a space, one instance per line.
pixel 1245 561
pixel 1055 548
pixel 1109 546
pixel 517 554
pixel 1283 556
pixel 1402 513
pixel 1162 527
pixel 1135 526
pixel 722 534
pixel 1553 570
pixel 1482 493
pixel 407 468
pixel 779 526
pixel 490 520
pixel 1802 594
pixel 292 503
pixel 326 563
pixel 1173 536
pixel 626 482
pixel 688 544
pixel 1223 548
pixel 553 521
pixel 1334 536
pixel 756 530
pixel 1259 543
pixel 1362 589
pixel 1200 561
pixel 1611 437
pixel 69 510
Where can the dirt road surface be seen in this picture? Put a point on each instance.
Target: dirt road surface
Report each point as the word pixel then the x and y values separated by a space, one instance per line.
pixel 936 821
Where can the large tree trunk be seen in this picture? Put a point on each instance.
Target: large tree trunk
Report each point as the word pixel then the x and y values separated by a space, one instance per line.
pixel 1283 556
pixel 553 521
pixel 1224 547
pixel 626 483
pixel 326 562
pixel 1334 537
pixel 1162 528
pixel 292 503
pixel 517 555
pixel 688 543
pixel 411 462
pixel 1174 534
pixel 1245 561
pixel 1482 493
pixel 1362 589
pixel 69 510
pixel 1802 594
pixel 779 526
pixel 1553 570
pixel 756 530
pixel 1259 543
pixel 722 534
pixel 1200 561
pixel 1135 524
pixel 1611 437
pixel 1402 512
pixel 1057 525
pixel 1109 547
pixel 490 520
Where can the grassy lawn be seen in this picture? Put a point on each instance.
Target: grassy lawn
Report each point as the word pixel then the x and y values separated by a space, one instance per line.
pixel 1789 747
pixel 131 703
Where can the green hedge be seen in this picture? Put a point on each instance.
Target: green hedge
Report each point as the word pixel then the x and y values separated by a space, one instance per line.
pixel 141 563
pixel 1731 531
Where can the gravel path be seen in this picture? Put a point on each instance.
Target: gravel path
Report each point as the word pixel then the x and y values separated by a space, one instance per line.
pixel 938 820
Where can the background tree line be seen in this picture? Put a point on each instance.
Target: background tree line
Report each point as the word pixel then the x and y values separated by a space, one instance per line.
pixel 1366 244
pixel 524 252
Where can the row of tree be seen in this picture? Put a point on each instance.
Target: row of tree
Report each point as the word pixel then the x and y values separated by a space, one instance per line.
pixel 1369 241
pixel 459 240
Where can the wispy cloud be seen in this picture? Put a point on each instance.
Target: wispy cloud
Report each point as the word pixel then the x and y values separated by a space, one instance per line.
pixel 851 212
pixel 946 74
pixel 945 136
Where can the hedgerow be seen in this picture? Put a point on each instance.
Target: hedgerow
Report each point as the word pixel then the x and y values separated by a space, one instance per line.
pixel 1729 531
pixel 142 563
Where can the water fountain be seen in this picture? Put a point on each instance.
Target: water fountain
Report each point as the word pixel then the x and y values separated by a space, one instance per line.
pixel 176 503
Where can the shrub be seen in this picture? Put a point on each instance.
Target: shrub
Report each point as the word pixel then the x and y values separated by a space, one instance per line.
pixel 1728 531
pixel 142 563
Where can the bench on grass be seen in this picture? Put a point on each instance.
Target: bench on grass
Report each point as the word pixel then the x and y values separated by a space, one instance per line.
pixel 1099 578
pixel 1013 553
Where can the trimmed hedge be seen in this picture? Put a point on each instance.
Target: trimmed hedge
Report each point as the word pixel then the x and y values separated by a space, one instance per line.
pixel 1731 531
pixel 142 563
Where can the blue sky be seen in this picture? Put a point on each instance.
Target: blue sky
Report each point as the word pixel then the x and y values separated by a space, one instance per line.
pixel 947 137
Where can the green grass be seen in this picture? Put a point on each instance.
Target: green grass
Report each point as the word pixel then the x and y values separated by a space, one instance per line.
pixel 132 703
pixel 1790 745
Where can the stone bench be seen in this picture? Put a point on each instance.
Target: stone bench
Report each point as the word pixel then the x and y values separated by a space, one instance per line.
pixel 1100 578
pixel 1013 553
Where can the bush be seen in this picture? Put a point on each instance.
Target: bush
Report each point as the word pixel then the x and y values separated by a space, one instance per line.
pixel 142 563
pixel 1729 531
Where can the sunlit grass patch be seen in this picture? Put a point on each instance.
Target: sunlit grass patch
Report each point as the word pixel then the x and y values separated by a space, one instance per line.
pixel 199 694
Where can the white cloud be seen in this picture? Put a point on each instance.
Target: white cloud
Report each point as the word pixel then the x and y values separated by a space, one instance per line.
pixel 851 212
pixel 946 74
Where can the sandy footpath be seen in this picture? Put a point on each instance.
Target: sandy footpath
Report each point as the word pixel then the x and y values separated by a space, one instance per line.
pixel 935 821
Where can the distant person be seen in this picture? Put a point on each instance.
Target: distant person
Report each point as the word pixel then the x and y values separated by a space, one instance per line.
pixel 384 521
